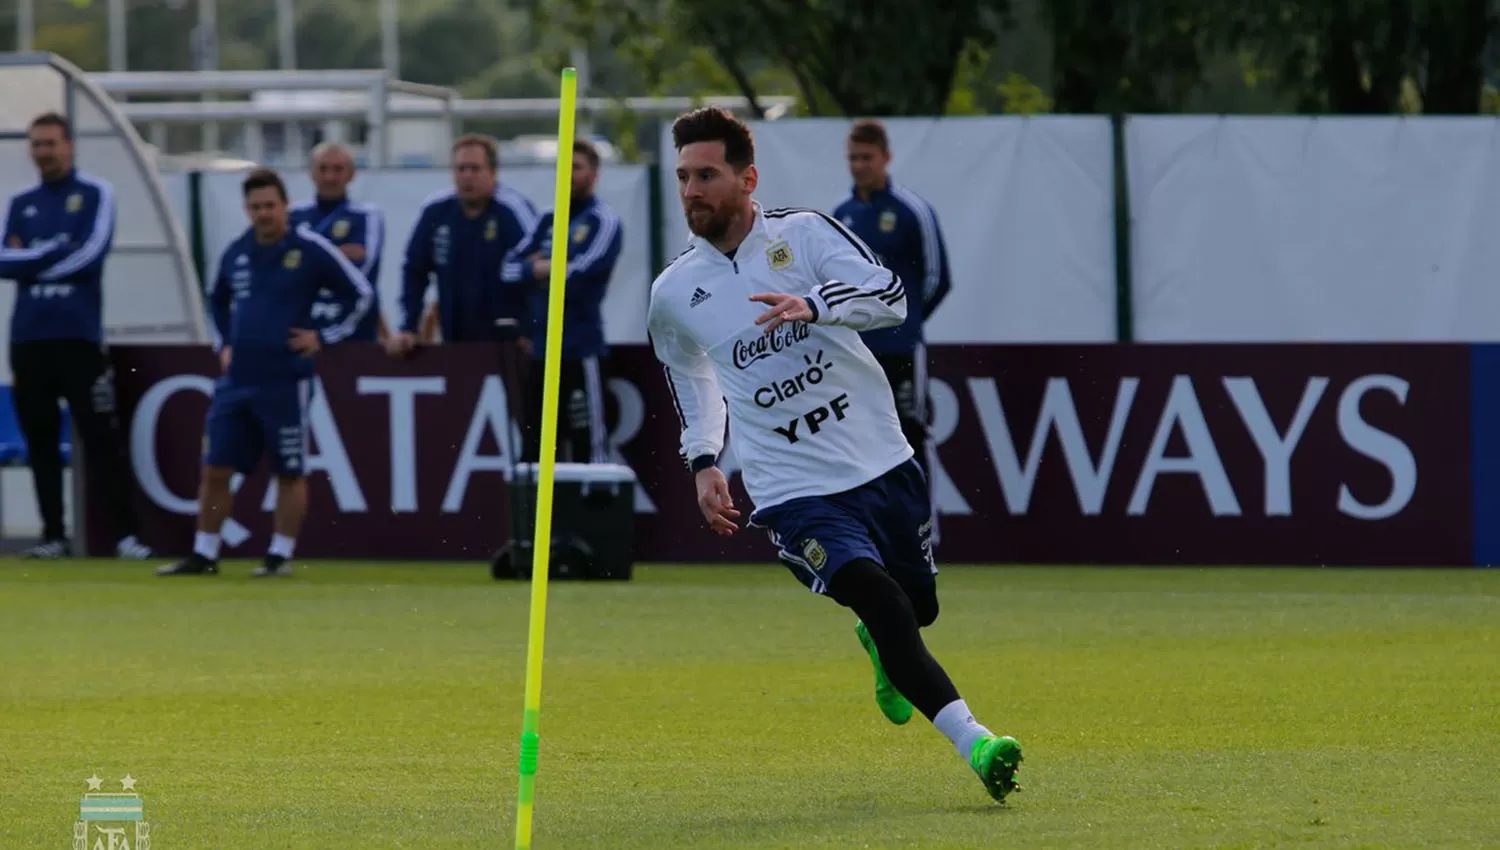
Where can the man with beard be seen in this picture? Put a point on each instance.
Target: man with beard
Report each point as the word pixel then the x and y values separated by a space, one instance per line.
pixel 594 241
pixel 815 426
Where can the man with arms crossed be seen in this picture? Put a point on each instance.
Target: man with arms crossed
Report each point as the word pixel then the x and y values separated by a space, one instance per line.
pixel 262 300
pixel 357 230
pixel 54 239
pixel 758 323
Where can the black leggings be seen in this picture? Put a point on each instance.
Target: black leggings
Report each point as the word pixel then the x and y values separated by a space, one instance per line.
pixel 78 372
pixel 894 617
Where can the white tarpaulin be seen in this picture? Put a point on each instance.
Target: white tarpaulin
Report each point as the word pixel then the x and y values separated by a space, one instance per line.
pixel 1025 206
pixel 399 194
pixel 1315 229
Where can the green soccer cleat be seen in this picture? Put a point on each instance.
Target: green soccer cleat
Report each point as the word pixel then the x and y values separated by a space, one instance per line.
pixel 893 705
pixel 996 760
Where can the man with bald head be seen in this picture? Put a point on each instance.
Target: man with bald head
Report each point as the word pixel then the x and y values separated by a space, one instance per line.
pixel 356 229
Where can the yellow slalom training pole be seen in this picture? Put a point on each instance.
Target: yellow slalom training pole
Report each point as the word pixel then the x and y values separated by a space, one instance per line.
pixel 542 536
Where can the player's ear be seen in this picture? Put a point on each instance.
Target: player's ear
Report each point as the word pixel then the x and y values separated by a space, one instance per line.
pixel 751 177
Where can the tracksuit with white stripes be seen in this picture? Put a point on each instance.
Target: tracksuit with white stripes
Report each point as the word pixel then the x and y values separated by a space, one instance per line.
pixel 345 222
pixel 55 239
pixel 903 230
pixel 594 243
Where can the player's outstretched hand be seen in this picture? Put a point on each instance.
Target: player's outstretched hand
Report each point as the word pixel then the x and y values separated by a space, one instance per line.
pixel 715 502
pixel 784 308
pixel 305 342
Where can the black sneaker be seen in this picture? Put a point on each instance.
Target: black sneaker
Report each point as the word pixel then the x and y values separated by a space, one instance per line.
pixel 274 565
pixel 49 550
pixel 192 565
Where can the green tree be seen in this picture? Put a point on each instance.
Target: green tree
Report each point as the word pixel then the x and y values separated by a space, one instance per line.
pixel 844 57
pixel 1367 56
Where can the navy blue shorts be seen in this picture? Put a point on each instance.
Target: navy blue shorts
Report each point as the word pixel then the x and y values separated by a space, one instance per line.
pixel 888 520
pixel 246 423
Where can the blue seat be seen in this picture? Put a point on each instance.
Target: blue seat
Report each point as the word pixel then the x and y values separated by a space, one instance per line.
pixel 13 444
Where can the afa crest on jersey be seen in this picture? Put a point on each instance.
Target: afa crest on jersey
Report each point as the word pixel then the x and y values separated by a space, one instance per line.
pixel 292 260
pixel 779 255
pixel 815 554
pixel 341 228
pixel 75 202
pixel 580 233
pixel 888 221
pixel 491 230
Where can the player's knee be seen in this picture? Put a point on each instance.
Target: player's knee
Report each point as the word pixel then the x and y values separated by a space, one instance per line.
pixel 868 590
pixel 924 603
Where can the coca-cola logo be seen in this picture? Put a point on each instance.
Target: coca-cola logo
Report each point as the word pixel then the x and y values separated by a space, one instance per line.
pixel 761 346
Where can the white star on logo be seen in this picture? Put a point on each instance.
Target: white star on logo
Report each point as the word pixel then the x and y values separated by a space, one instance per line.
pixel 128 783
pixel 95 783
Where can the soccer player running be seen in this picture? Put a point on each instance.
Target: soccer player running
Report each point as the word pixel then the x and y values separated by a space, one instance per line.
pixel 461 238
pixel 903 231
pixel 758 322
pixel 357 230
pixel 262 297
pixel 594 240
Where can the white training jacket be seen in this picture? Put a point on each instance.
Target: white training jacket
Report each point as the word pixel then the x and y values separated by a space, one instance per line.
pixel 809 408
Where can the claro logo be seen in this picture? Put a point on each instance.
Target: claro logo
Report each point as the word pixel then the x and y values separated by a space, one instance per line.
pixel 814 370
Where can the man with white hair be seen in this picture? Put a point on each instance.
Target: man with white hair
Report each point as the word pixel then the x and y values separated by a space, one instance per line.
pixel 356 229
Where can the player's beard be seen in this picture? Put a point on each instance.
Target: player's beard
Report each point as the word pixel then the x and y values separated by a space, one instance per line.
pixel 712 226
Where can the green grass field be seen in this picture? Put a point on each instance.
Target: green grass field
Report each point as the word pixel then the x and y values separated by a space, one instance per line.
pixel 362 706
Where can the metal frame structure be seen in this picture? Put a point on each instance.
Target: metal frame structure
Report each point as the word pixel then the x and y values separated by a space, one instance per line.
pixel 377 111
pixel 442 104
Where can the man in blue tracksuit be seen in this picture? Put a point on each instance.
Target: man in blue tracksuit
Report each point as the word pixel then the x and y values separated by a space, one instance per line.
pixel 461 238
pixel 356 229
pixel 268 281
pixel 594 242
pixel 903 230
pixel 55 238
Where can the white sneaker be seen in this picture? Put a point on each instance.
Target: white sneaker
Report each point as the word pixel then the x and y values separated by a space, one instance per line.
pixel 49 550
pixel 131 549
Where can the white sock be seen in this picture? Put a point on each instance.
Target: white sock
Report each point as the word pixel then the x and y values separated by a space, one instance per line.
pixel 958 723
pixel 282 546
pixel 207 545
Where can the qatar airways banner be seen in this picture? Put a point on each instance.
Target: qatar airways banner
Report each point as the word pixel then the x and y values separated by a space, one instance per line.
pixel 1151 454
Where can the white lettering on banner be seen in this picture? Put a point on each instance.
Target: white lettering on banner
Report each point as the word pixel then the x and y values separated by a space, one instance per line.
pixel 403 394
pixel 632 415
pixel 143 460
pixel 1377 445
pixel 1058 413
pixel 491 415
pixel 1183 412
pixel 1275 450
pixel 944 404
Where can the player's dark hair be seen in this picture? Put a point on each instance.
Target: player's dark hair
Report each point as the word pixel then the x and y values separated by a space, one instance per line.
pixel 869 132
pixel 53 119
pixel 591 153
pixel 488 144
pixel 262 178
pixel 716 124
